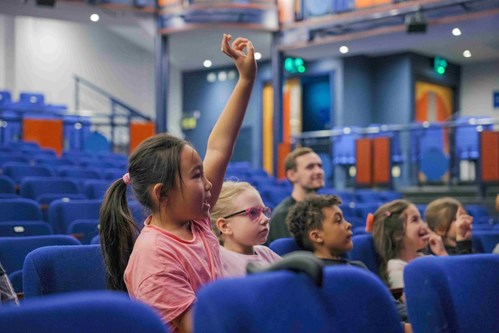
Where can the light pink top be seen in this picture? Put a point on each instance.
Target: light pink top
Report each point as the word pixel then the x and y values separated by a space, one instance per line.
pixel 165 271
pixel 234 264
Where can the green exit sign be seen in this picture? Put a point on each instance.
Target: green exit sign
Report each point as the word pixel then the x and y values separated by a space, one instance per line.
pixel 439 65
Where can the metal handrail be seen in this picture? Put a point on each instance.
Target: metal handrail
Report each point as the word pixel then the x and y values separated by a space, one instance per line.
pixel 114 101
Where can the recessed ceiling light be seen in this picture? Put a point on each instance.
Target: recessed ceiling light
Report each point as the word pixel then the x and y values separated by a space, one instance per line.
pixel 94 17
pixel 207 63
pixel 222 76
pixel 467 53
pixel 456 32
pixel 258 56
pixel 344 49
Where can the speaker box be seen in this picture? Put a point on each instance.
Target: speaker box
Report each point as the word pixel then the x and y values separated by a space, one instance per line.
pixel 47 3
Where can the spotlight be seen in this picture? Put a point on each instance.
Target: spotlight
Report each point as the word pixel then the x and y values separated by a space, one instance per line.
pixel 415 23
pixel 47 3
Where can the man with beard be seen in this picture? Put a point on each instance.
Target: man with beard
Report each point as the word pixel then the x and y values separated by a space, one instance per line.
pixel 303 168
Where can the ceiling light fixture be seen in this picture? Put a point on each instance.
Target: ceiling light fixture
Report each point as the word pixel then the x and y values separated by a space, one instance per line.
pixel 94 17
pixel 344 49
pixel 467 54
pixel 258 56
pixel 456 32
pixel 207 63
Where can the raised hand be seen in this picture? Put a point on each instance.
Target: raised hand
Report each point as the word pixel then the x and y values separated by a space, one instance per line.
pixel 436 244
pixel 245 62
pixel 464 224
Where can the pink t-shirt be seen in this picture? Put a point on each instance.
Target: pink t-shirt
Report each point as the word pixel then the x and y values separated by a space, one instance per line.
pixel 165 271
pixel 234 264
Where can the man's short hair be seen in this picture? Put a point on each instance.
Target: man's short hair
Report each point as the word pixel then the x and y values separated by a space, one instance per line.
pixel 307 215
pixel 290 160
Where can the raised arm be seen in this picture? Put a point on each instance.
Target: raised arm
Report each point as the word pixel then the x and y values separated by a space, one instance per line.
pixel 224 134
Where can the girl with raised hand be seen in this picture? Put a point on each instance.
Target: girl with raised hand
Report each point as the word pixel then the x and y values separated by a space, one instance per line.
pixel 176 252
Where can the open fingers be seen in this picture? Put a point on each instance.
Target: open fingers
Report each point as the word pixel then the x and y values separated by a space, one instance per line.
pixel 239 43
pixel 225 46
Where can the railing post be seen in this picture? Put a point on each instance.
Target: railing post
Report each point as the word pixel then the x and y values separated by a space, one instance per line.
pixel 162 84
pixel 77 93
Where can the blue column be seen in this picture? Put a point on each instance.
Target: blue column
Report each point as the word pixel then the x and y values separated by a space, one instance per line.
pixel 162 85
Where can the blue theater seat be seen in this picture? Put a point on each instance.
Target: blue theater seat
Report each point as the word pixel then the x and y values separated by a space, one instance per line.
pixel 344 146
pixel 7 187
pixel 37 188
pixel 284 246
pixel 350 300
pixel 467 137
pixel 18 171
pixel 24 228
pixel 62 213
pixel 82 312
pixel 455 294
pixel 19 209
pixel 363 250
pixel 13 251
pixel 61 269
pixel 485 240
pixel 84 229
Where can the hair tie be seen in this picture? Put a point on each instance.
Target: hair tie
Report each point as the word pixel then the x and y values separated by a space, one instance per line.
pixel 126 179
pixel 388 213
pixel 369 222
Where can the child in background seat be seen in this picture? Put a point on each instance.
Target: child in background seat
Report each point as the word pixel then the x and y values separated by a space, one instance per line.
pixel 318 225
pixel 241 222
pixel 400 235
pixel 448 219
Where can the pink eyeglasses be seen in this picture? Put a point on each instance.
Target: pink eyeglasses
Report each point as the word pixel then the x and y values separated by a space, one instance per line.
pixel 253 213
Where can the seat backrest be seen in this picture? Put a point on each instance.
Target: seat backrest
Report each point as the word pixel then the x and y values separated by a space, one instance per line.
pixel 59 269
pixel 82 312
pixel 96 189
pixel 455 294
pixel 285 301
pixel 25 228
pixel 283 246
pixel 484 241
pixel 34 187
pixel 18 171
pixel 7 186
pixel 363 250
pixel 19 209
pixel 13 250
pixel 62 212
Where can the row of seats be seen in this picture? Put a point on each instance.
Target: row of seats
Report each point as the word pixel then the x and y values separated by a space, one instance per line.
pixel 23 217
pixel 460 291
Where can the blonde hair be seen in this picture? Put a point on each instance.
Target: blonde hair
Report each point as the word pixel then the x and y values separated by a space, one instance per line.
pixel 225 203
pixel 440 213
pixel 388 232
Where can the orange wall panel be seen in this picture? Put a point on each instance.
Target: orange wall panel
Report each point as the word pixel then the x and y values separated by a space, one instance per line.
pixel 364 3
pixel 381 160
pixel 489 154
pixel 139 132
pixel 48 133
pixel 283 150
pixel 363 164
